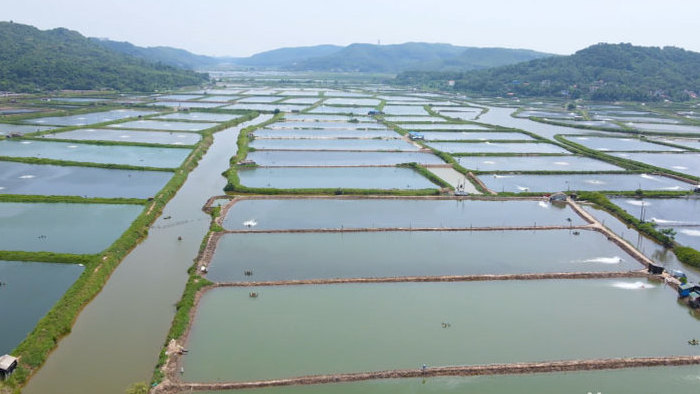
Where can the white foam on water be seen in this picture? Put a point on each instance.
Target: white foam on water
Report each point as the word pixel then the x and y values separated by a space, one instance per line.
pixel 502 176
pixel 522 188
pixel 604 149
pixel 250 223
pixel 671 188
pixel 543 204
pixel 594 182
pixel 664 221
pixel 72 146
pixel 178 143
pixel 582 138
pixel 562 163
pixel 679 168
pixel 2 188
pixel 25 142
pixel 633 285
pixel 489 162
pixel 27 176
pixel 638 203
pixel 623 155
pixel 124 136
pixel 624 139
pixel 181 136
pixel 692 233
pixel 604 260
pixel 647 176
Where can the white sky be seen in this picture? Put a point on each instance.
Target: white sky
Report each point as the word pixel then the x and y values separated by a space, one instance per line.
pixel 245 27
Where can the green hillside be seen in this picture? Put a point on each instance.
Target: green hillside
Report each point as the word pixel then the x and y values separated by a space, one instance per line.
pixel 606 72
pixel 34 60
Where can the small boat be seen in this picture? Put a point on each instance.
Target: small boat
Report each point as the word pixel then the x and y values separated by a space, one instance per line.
pixel 253 295
pixel 694 342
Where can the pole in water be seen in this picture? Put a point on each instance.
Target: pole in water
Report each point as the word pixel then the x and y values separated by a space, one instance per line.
pixel 423 368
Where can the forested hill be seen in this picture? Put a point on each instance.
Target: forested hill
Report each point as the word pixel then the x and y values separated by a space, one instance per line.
pixel 607 72
pixel 31 60
pixel 166 55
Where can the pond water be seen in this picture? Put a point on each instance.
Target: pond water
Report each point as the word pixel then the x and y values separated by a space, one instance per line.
pixel 259 99
pixel 109 154
pixel 316 159
pixel 327 125
pixel 590 123
pixel 400 119
pixel 544 114
pixel 588 182
pixel 680 380
pixel 325 117
pixel 695 144
pixel 666 128
pixel 38 286
pixel 179 97
pixel 462 115
pixel 443 126
pixel 387 213
pixel 327 133
pixel 349 177
pixel 620 144
pixel 375 326
pixel 6 128
pixel 341 110
pixel 40 179
pixel 473 136
pixel 334 144
pixel 155 137
pixel 371 102
pixel 289 256
pixel 63 228
pixel 220 99
pixel 501 117
pixel 185 104
pixel 90 118
pixel 301 100
pixel 657 252
pixel 680 214
pixel 78 99
pixel 687 163
pixel 267 107
pixel 535 163
pixel 498 147
pixel 163 125
pixel 199 117
pixel 405 110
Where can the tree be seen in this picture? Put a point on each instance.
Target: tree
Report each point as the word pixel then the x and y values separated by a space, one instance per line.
pixel 138 388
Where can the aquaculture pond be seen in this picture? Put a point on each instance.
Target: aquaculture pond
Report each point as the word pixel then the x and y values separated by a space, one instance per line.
pixel 403 119
pixel 680 214
pixel 351 178
pixel 690 143
pixel 589 182
pixel 179 97
pixel 687 163
pixel 274 214
pixel 653 250
pixel 290 256
pixel 371 102
pixel 334 144
pixel 680 380
pixel 163 125
pixel 590 123
pixel 473 136
pixel 620 144
pixel 89 118
pixel 141 156
pixel 301 100
pixel 327 125
pixel 63 228
pixel 315 159
pixel 267 107
pixel 185 104
pixel 443 126
pixel 666 128
pixel 154 137
pixel 326 117
pixel 329 133
pixel 342 110
pixel 220 99
pixel 498 147
pixel 39 179
pixel 259 99
pixel 199 117
pixel 405 110
pixel 396 326
pixel 6 129
pixel 29 290
pixel 535 163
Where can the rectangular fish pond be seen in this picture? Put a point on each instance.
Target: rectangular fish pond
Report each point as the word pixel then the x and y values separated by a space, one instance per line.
pixel 6 129
pixel 342 110
pixel 499 147
pixel 678 380
pixel 141 156
pixel 36 287
pixel 163 125
pixel 334 144
pixel 620 144
pixel 199 117
pixel 405 110
pixel 351 178
pixel 293 256
pixel 40 179
pixel 311 213
pixel 334 159
pixel 535 163
pixel 63 228
pixel 443 126
pixel 687 163
pixel 327 125
pixel 518 183
pixel 396 326
pixel 89 118
pixel 151 137
pixel 473 136
pixel 680 214
pixel 328 133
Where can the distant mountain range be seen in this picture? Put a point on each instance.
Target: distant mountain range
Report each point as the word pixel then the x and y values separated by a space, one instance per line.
pixel 606 72
pixel 32 59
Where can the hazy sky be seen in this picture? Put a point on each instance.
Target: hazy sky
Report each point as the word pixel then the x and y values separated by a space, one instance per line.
pixel 244 27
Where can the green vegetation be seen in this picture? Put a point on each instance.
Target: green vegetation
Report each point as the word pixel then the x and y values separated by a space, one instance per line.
pixel 47 257
pixel 605 72
pixel 426 173
pixel 70 199
pixel 35 60
pixel 174 57
pixel 68 163
pixel 687 255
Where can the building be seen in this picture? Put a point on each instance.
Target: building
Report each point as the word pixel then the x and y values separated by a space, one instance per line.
pixel 7 365
pixel 557 197
pixel 416 136
pixel 684 290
